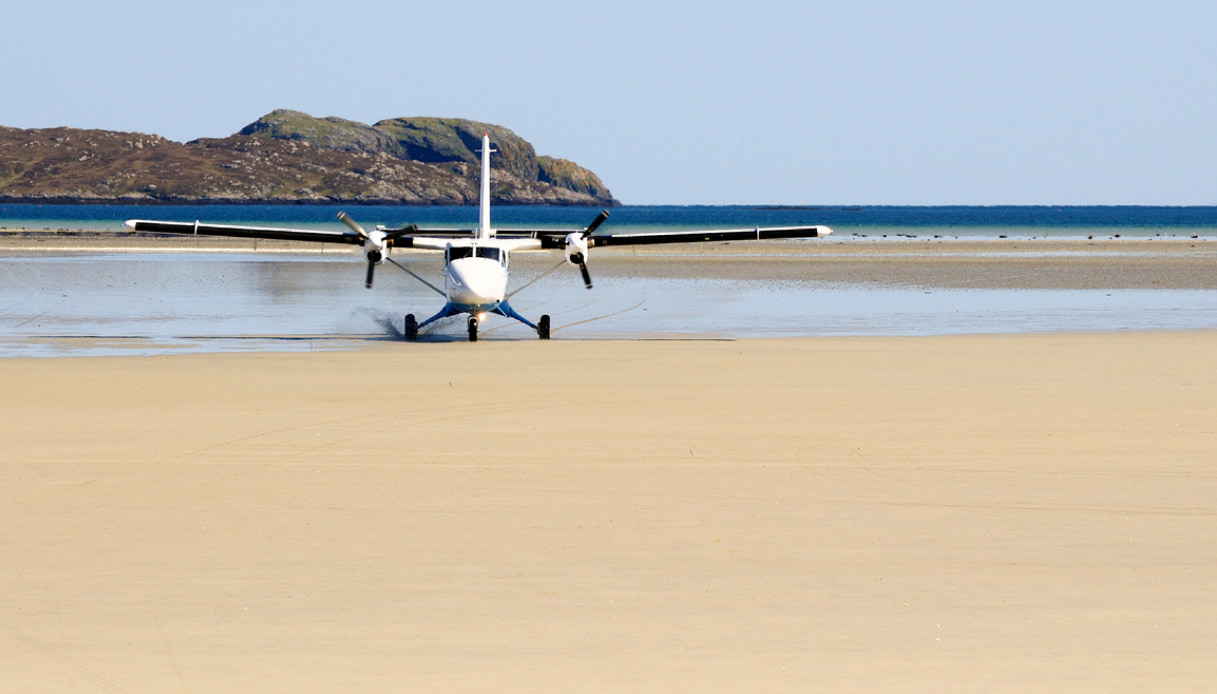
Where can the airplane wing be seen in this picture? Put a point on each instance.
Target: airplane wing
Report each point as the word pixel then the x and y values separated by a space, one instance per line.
pixel 419 237
pixel 199 229
pixel 403 237
pixel 376 245
pixel 556 238
pixel 698 235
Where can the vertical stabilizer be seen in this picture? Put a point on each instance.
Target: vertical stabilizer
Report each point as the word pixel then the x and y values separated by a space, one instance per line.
pixel 484 231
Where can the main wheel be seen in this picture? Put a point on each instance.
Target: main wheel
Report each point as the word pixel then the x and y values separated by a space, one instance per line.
pixel 543 327
pixel 411 327
pixel 473 328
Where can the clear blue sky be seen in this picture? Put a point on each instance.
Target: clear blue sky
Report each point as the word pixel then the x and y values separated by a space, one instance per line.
pixel 842 102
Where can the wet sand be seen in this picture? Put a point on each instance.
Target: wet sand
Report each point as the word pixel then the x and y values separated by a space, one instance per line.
pixel 992 513
pixel 924 262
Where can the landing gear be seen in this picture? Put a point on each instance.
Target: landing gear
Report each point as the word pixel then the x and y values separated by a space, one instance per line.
pixel 473 322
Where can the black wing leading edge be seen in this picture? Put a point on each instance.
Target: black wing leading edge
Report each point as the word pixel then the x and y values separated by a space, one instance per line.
pixel 318 235
pixel 557 238
pixel 695 236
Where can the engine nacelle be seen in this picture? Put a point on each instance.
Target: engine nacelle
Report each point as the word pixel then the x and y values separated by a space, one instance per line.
pixel 576 248
pixel 375 248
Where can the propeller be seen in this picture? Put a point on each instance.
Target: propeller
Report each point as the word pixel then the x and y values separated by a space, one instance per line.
pixel 576 246
pixel 367 281
pixel 579 260
pixel 346 219
pixel 604 214
pixel 374 245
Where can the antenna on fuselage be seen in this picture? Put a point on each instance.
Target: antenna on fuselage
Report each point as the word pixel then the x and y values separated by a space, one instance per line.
pixel 484 231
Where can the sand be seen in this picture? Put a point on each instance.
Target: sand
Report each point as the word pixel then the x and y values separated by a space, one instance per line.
pixel 924 262
pixel 960 514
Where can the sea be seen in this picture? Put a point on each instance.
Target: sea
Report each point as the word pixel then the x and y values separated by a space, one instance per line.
pixel 131 303
pixel 1040 221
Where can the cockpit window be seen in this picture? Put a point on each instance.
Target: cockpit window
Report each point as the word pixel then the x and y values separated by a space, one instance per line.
pixel 491 253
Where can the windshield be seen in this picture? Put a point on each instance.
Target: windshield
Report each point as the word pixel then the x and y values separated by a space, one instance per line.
pixel 488 252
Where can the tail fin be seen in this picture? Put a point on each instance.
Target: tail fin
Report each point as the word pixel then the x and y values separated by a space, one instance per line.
pixel 484 231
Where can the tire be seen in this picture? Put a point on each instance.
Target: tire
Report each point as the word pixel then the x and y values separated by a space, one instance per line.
pixel 543 327
pixel 411 327
pixel 473 329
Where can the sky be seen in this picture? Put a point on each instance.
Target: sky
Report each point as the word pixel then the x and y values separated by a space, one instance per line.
pixel 788 103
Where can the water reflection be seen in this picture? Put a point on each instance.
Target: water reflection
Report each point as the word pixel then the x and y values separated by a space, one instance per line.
pixel 163 303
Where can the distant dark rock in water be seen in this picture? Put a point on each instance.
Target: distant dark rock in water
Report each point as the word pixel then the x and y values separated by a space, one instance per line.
pixel 288 156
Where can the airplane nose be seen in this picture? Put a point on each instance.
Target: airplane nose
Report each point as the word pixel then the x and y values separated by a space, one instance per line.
pixel 476 281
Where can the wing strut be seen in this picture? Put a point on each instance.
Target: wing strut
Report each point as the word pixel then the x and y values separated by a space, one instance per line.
pixel 413 274
pixel 536 279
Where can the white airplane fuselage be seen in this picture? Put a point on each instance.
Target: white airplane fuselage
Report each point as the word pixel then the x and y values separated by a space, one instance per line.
pixel 475 267
pixel 475 283
pixel 475 270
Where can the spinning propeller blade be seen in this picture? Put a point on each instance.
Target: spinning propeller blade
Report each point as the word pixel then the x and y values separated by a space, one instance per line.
pixel 346 219
pixel 604 214
pixel 375 254
pixel 587 276
pixel 580 258
pixel 393 234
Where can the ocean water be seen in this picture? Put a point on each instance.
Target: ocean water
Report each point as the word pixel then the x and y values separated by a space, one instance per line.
pixel 862 221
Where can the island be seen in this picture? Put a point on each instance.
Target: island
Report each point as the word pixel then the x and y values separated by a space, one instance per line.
pixel 290 157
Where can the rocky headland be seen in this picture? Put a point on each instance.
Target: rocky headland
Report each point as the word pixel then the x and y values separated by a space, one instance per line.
pixel 290 157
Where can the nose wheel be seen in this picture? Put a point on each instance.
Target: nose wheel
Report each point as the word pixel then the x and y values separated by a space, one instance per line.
pixel 473 328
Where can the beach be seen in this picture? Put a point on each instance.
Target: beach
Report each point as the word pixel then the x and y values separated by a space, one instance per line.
pixel 925 261
pixel 960 513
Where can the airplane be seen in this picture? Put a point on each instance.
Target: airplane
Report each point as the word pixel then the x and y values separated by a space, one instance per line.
pixel 475 260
